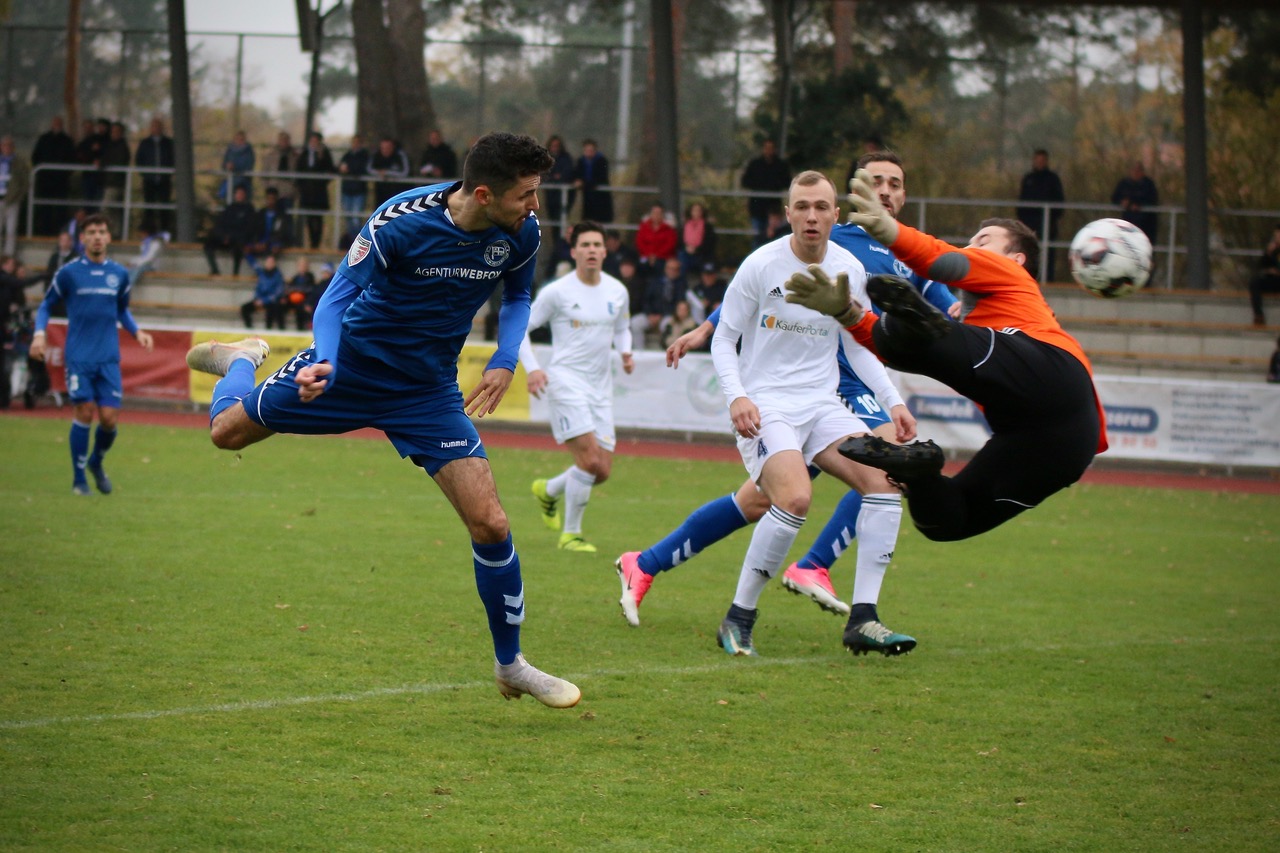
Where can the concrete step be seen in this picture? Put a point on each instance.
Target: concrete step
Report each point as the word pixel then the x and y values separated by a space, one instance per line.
pixel 1170 306
pixel 1173 339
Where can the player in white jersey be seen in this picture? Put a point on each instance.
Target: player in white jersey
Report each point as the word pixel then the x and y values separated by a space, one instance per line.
pixel 781 389
pixel 587 311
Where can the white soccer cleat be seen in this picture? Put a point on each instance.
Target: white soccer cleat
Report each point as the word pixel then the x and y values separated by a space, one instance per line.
pixel 215 357
pixel 520 678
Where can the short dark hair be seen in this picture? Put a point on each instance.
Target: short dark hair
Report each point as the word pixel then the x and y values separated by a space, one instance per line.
pixel 95 219
pixel 1043 151
pixel 585 227
pixel 1021 239
pixel 499 160
pixel 882 156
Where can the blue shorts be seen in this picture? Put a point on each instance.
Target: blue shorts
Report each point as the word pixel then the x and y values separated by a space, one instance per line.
pixel 95 382
pixel 428 426
pixel 863 403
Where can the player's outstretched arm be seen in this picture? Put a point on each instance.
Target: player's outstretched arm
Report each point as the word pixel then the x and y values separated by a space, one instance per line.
pixel 818 292
pixel 690 340
pixel 868 211
pixel 485 397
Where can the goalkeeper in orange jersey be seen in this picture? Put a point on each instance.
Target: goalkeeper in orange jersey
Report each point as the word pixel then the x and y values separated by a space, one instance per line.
pixel 1009 355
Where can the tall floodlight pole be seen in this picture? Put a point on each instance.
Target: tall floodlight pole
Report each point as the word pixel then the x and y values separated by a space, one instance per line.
pixel 1197 166
pixel 184 174
pixel 622 148
pixel 664 78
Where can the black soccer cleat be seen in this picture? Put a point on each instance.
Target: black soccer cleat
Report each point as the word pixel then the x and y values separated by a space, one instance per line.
pixel 902 462
pixel 873 636
pixel 899 298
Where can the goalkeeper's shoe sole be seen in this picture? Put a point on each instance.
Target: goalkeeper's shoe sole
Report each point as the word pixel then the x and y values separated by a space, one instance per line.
pixel 873 636
pixel 902 462
pixel 520 678
pixel 216 357
pixel 548 506
pixel 899 298
pixel 816 585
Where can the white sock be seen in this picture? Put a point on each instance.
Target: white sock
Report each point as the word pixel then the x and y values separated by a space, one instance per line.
pixel 770 541
pixel 577 491
pixel 878 524
pixel 556 485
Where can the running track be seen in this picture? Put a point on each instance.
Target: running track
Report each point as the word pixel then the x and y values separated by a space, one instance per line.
pixel 725 452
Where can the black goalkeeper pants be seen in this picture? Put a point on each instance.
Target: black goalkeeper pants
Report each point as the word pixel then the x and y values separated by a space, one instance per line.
pixel 1038 400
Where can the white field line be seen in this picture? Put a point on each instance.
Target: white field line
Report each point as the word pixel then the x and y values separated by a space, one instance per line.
pixel 426 689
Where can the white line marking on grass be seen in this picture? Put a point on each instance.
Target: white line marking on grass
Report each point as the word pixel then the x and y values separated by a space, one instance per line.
pixel 377 693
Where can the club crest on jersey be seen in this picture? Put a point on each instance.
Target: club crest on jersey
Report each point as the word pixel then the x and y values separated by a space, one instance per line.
pixel 358 252
pixel 899 268
pixel 113 281
pixel 496 254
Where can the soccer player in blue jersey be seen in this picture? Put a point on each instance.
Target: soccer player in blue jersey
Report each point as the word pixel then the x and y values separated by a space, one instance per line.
pixel 719 518
pixel 388 332
pixel 95 292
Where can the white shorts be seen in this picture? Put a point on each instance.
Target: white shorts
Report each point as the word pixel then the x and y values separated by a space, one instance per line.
pixel 573 413
pixel 824 423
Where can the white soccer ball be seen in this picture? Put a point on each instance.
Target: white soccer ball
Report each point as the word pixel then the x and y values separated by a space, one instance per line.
pixel 1110 258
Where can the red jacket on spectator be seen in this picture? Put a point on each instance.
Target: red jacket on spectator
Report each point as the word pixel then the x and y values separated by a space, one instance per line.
pixel 656 240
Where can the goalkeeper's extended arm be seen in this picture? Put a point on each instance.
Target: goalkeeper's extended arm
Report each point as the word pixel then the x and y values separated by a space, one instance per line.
pixel 868 211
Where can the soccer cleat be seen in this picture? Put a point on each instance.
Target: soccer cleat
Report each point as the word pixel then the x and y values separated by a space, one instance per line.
pixel 81 489
pixel 873 636
pixel 815 583
pixel 899 298
pixel 635 583
pixel 734 635
pixel 575 542
pixel 547 504
pixel 520 678
pixel 100 479
pixel 215 357
pixel 902 462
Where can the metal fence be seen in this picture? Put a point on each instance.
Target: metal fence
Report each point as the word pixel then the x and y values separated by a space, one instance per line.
pixel 950 219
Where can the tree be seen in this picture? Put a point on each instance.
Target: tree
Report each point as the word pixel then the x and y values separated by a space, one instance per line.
pixel 390 44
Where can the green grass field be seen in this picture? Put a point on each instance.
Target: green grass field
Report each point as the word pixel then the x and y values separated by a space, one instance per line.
pixel 284 650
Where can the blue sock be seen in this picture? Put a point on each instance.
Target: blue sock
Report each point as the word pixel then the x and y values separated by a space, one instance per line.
pixel 837 536
pixel 704 527
pixel 498 582
pixel 79 450
pixel 102 441
pixel 233 387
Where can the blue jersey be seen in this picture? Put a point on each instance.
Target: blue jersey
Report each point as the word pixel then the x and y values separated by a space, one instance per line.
pixel 96 297
pixel 413 282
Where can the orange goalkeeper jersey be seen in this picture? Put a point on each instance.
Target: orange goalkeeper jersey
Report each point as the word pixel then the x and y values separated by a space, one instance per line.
pixel 1008 297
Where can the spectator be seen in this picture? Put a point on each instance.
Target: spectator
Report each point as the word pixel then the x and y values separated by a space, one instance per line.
pixel 313 193
pixel 89 150
pixel 1135 193
pixel 156 152
pixel 152 245
pixel 680 322
pixel 322 284
pixel 232 230
pixel 710 288
pixel 283 158
pixel 388 164
pixel 616 252
pixel 636 282
pixel 1273 372
pixel 15 178
pixel 237 161
pixel 591 174
pixel 1042 184
pixel 354 189
pixel 297 296
pixel 438 159
pixel 115 155
pixel 54 147
pixel 1267 278
pixel 770 176
pixel 697 240
pixel 660 296
pixel 656 239
pixel 267 294
pixel 272 227
pixel 556 202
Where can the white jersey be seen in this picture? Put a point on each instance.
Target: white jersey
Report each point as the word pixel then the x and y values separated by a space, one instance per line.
pixel 788 351
pixel 586 320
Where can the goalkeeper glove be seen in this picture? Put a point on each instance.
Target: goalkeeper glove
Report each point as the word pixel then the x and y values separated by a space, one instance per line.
pixel 868 211
pixel 818 292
